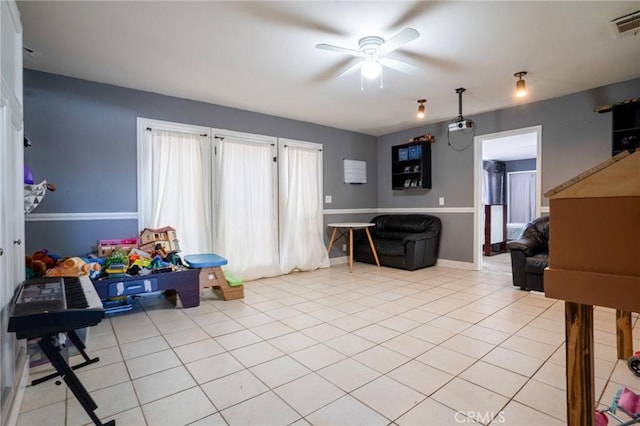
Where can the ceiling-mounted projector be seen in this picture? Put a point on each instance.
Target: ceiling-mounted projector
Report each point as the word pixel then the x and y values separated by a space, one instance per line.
pixel 460 125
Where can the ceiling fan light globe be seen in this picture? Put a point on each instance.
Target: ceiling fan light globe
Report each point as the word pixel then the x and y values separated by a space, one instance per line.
pixel 371 69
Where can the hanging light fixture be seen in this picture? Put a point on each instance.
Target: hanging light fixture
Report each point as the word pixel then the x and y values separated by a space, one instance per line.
pixel 420 113
pixel 521 86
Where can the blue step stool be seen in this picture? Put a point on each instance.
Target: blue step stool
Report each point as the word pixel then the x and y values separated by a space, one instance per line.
pixel 211 275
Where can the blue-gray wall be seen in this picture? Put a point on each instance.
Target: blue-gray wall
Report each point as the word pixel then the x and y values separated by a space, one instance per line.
pixel 83 138
pixel 84 141
pixel 574 139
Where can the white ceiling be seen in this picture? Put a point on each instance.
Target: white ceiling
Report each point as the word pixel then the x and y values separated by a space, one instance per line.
pixel 509 148
pixel 261 56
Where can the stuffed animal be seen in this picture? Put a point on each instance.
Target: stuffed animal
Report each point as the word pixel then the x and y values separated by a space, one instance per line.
pixel 34 268
pixel 44 256
pixel 73 267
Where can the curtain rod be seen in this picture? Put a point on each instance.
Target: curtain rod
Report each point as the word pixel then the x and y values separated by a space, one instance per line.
pixel 149 129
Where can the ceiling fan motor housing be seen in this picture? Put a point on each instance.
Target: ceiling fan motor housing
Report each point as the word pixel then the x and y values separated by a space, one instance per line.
pixel 370 45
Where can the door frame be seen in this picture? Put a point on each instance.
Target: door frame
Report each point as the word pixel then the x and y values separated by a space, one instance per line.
pixel 478 211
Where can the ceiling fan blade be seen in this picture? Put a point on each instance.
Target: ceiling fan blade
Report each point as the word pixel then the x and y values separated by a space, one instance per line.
pixel 350 70
pixel 428 60
pixel 332 48
pixel 399 66
pixel 403 37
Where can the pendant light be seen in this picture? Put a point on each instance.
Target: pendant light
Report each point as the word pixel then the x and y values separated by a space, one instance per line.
pixel 421 108
pixel 521 86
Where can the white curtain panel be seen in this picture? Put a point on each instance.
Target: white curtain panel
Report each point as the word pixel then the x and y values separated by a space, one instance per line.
pixel 301 241
pixel 522 197
pixel 247 219
pixel 178 186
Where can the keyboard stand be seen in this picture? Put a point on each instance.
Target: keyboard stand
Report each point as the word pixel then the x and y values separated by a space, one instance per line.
pixel 77 342
pixel 57 360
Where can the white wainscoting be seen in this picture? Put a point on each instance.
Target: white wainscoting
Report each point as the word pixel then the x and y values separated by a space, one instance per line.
pixel 390 210
pixel 50 217
pixel 54 217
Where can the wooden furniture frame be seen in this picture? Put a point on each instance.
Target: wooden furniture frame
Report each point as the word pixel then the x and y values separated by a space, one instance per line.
pixel 594 262
pixel 342 228
pixel 495 222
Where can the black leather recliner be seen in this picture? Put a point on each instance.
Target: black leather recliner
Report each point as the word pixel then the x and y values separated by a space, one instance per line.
pixel 407 241
pixel 530 255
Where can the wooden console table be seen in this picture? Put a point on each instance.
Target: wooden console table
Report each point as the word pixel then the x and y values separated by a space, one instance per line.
pixel 593 261
pixel 185 282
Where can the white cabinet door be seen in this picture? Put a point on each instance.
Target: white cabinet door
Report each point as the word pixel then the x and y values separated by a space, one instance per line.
pixel 12 352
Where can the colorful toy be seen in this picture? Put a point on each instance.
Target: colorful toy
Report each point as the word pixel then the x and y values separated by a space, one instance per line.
pixel 166 237
pixel 171 257
pixel 34 268
pixel 117 256
pixel 634 363
pixel 43 255
pixel 116 270
pixel 158 265
pixel 105 247
pixel 625 401
pixel 28 176
pixel 72 267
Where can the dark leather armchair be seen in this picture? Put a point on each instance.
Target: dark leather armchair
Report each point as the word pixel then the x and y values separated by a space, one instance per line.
pixel 530 255
pixel 407 241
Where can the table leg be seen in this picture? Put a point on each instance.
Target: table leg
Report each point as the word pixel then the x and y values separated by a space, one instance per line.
pixel 624 336
pixel 579 369
pixel 373 247
pixel 333 236
pixel 350 249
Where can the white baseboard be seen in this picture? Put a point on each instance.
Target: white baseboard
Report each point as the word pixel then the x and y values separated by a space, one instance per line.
pixel 441 262
pixel 14 410
pixel 456 264
pixel 339 260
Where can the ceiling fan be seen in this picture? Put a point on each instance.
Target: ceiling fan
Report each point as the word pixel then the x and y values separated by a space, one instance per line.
pixel 372 51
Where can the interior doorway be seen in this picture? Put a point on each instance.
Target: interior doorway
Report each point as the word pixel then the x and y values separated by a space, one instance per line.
pixel 504 147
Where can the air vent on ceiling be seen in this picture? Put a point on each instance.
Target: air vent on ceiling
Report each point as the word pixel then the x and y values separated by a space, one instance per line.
pixel 627 25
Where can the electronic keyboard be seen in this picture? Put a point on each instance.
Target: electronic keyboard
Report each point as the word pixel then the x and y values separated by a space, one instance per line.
pixel 45 307
pixel 48 305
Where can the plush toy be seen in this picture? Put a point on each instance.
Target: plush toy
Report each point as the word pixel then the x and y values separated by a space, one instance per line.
pixel 34 268
pixel 44 256
pixel 73 267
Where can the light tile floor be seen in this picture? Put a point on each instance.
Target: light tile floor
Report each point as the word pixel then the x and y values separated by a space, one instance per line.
pixel 378 346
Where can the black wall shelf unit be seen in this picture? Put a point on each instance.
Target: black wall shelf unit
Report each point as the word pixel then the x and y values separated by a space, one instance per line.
pixel 411 166
pixel 625 127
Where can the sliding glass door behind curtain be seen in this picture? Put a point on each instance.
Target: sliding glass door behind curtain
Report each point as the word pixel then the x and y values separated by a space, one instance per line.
pixel 255 200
